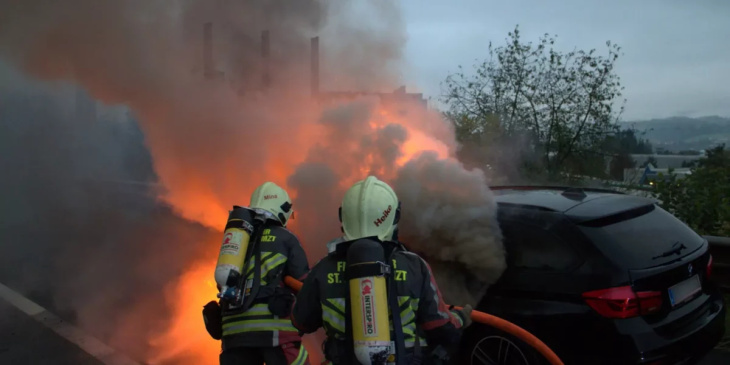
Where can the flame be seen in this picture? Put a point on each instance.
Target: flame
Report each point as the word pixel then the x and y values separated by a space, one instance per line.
pixel 186 336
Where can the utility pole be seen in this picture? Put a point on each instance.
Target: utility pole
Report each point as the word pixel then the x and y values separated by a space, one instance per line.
pixel 314 72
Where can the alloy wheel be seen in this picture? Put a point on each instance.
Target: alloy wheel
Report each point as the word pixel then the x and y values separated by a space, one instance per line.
pixel 497 350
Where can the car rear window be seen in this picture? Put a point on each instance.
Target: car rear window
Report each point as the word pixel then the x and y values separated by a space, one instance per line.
pixel 638 238
pixel 533 247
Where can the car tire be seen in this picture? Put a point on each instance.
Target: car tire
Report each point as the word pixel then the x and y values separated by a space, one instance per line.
pixel 482 344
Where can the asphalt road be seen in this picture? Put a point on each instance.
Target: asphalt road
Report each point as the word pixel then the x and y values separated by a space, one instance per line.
pixel 26 340
pixel 23 340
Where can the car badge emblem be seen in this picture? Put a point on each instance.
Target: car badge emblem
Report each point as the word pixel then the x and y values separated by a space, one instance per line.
pixel 690 269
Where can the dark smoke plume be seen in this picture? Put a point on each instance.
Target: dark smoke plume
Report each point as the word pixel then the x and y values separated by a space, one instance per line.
pixel 74 236
pixel 214 131
pixel 449 217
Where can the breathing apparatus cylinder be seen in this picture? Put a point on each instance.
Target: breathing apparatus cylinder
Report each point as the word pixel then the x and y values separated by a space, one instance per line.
pixel 232 257
pixel 365 271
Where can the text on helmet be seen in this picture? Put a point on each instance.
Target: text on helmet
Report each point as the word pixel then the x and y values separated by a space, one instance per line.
pixel 270 196
pixel 385 215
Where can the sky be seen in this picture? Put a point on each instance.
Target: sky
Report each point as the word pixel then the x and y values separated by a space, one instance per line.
pixel 676 53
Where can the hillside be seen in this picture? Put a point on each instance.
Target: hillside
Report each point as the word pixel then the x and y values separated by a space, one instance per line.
pixel 683 133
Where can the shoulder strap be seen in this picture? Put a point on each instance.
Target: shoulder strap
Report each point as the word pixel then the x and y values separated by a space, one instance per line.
pixel 400 348
pixel 256 254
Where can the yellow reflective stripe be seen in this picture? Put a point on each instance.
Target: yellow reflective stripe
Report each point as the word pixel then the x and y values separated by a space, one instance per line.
pixel 338 303
pixel 302 357
pixel 255 325
pixel 265 256
pixel 272 263
pixel 333 319
pixel 403 300
pixel 407 315
pixel 458 318
pixel 250 264
pixel 267 265
pixel 408 320
pixel 257 310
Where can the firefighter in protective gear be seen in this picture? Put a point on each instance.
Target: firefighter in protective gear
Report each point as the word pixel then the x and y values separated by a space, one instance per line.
pixel 370 210
pixel 260 331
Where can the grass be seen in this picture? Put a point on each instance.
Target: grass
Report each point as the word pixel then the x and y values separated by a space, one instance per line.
pixel 725 342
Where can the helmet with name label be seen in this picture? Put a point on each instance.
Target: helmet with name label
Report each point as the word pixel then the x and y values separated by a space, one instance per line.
pixel 273 199
pixel 370 208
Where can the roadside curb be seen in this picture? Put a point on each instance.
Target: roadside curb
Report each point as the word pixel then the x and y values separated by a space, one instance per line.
pixel 87 343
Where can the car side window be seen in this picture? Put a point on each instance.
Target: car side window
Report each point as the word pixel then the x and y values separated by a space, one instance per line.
pixel 532 247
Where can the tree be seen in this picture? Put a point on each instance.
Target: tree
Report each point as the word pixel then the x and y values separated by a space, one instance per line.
pixel 621 145
pixel 561 104
pixel 702 199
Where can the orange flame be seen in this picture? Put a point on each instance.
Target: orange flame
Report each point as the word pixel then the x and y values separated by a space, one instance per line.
pixel 186 337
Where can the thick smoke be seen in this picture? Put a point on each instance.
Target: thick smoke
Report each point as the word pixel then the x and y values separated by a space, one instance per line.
pixel 449 217
pixel 74 236
pixel 213 135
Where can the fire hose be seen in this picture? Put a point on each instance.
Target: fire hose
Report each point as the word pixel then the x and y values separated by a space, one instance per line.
pixel 489 320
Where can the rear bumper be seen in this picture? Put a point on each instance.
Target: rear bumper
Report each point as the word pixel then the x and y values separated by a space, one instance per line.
pixel 692 345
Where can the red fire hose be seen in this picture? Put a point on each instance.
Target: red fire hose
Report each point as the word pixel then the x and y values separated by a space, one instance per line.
pixel 487 319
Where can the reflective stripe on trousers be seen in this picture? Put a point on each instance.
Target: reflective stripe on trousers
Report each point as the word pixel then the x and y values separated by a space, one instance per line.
pixel 257 318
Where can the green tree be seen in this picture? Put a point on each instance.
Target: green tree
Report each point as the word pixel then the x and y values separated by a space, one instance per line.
pixel 701 199
pixel 562 105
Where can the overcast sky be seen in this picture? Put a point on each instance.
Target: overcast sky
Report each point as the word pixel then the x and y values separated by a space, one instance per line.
pixel 676 52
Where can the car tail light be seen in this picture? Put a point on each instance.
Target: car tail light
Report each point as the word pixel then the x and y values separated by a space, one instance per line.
pixel 623 302
pixel 708 270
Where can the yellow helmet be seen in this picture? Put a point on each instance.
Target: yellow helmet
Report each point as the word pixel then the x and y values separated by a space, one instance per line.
pixel 370 208
pixel 273 199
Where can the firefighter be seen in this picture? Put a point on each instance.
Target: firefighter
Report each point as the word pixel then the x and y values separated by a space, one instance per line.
pixel 370 210
pixel 261 331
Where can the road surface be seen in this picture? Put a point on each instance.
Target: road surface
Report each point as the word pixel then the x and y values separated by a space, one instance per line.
pixel 33 335
pixel 23 340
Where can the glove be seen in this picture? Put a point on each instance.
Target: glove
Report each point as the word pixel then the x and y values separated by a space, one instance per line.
pixel 465 314
pixel 213 320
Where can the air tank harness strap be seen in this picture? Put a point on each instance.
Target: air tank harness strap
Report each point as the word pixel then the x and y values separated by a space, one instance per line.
pixel 400 350
pixel 256 254
pixel 367 269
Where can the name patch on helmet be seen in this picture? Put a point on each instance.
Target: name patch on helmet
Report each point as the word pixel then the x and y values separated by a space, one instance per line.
pixel 368 308
pixel 270 196
pixel 385 215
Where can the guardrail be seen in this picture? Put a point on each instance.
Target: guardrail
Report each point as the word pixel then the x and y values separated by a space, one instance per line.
pixel 720 250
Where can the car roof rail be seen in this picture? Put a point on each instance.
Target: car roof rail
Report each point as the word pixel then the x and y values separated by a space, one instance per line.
pixel 569 190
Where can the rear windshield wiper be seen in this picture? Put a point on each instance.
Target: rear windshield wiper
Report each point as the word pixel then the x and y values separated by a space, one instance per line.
pixel 673 251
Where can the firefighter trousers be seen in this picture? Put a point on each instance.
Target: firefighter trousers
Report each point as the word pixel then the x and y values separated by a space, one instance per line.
pixel 287 354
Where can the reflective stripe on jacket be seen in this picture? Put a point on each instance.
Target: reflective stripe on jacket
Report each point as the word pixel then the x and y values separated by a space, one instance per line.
pixel 321 300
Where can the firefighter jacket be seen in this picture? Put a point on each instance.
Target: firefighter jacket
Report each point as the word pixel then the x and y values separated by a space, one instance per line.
pixel 266 323
pixel 321 302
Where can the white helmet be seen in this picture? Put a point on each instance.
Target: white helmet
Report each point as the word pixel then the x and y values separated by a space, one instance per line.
pixel 273 199
pixel 370 208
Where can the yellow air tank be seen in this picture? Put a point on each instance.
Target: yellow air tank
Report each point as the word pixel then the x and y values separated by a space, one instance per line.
pixel 232 257
pixel 368 302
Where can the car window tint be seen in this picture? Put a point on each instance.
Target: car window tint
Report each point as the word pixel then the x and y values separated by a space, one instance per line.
pixel 533 247
pixel 639 242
